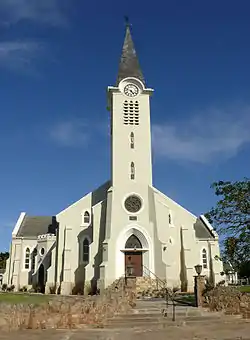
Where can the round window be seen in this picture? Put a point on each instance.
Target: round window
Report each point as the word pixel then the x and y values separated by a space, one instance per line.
pixel 133 204
pixel 42 251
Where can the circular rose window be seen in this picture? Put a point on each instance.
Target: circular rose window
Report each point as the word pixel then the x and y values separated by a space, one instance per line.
pixel 133 204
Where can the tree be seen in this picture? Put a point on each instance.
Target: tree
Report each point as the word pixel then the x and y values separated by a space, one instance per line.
pixel 3 259
pixel 231 218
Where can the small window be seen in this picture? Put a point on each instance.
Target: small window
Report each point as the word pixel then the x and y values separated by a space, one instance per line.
pixel 33 263
pixel 27 258
pixel 204 258
pixel 132 170
pixel 169 219
pixel 86 217
pixel 85 251
pixel 42 251
pixel 132 140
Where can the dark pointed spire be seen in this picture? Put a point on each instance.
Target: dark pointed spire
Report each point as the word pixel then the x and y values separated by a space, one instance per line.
pixel 129 64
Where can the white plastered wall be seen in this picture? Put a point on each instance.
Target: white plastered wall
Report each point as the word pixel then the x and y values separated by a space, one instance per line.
pixel 72 232
pixel 169 234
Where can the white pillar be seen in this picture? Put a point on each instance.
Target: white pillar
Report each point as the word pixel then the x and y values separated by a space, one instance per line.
pixel 16 265
pixel 67 284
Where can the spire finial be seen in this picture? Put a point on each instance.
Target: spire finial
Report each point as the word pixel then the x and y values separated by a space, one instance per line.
pixel 126 18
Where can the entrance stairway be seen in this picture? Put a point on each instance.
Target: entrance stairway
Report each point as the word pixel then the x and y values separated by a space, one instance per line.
pixel 160 311
pixel 151 313
pixel 153 310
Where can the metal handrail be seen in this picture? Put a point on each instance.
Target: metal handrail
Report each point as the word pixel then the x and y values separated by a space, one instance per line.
pixel 121 278
pixel 167 293
pixel 157 278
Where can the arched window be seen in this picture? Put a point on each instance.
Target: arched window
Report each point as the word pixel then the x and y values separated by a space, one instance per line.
pixel 27 258
pixel 85 251
pixel 132 140
pixel 86 217
pixel 204 258
pixel 132 170
pixel 133 243
pixel 169 219
pixel 33 262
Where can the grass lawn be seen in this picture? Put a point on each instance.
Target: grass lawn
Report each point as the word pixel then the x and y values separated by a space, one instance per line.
pixel 22 298
pixel 189 298
pixel 244 289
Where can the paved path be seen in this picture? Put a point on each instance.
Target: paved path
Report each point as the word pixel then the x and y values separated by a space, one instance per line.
pixel 146 323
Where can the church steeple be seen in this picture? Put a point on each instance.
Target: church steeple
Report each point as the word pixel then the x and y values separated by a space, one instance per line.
pixel 129 65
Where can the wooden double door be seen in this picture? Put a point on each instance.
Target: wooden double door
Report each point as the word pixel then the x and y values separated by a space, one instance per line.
pixel 133 263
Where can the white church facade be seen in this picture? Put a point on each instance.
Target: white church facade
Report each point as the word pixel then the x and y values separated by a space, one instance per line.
pixel 126 226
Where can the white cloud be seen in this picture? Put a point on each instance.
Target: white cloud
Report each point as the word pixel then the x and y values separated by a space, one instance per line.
pixel 19 55
pixel 209 135
pixel 70 133
pixel 41 11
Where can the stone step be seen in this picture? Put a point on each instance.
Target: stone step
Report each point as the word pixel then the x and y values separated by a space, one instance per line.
pixel 154 315
pixel 164 322
pixel 141 317
pixel 135 320
pixel 164 308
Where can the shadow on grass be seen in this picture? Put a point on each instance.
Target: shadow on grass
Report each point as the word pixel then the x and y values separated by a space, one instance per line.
pixel 185 300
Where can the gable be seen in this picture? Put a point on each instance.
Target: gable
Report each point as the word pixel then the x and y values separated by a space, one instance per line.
pixel 201 230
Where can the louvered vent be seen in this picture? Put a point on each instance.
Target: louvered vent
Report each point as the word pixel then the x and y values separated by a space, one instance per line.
pixel 131 112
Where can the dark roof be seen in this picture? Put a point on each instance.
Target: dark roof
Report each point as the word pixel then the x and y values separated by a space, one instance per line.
pixel 129 64
pixel 201 230
pixel 32 226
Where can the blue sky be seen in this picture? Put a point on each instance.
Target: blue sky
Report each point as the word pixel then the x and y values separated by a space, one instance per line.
pixel 58 56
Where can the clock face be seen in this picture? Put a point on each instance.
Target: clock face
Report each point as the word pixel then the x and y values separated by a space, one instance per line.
pixel 131 90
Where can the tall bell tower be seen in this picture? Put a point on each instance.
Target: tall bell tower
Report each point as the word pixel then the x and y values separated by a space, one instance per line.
pixel 129 103
pixel 128 207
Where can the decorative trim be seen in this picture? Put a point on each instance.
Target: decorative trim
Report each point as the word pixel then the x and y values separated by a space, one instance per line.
pixel 146 241
pixel 131 80
pixel 123 203
pixel 18 224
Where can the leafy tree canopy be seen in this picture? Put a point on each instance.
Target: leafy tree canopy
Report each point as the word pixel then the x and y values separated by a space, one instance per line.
pixel 3 258
pixel 231 218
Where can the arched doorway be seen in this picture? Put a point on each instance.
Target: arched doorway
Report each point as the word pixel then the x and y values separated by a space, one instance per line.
pixel 41 277
pixel 133 256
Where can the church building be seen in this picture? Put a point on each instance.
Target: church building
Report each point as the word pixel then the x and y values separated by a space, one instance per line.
pixel 126 227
